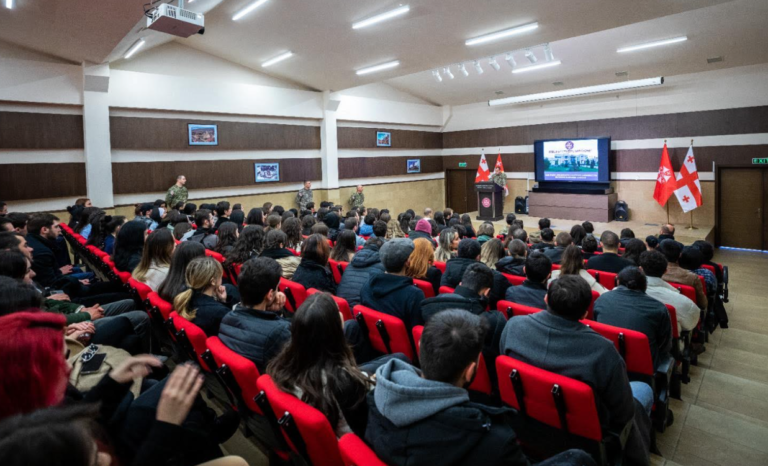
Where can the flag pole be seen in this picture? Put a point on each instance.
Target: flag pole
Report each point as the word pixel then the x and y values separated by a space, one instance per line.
pixel 691 227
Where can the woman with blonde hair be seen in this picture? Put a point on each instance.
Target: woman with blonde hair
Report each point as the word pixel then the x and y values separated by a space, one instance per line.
pixel 205 300
pixel 447 243
pixel 572 263
pixel 421 264
pixel 155 258
pixel 492 252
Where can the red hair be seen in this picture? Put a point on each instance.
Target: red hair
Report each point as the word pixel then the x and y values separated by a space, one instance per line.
pixel 33 372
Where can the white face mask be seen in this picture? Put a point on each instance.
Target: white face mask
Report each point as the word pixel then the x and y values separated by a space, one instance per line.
pixel 162 211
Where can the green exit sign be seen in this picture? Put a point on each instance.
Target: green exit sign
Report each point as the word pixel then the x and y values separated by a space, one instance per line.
pixel 464 164
pixel 763 161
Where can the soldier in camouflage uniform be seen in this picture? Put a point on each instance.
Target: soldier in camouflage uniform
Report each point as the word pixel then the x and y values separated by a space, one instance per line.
pixel 304 196
pixel 357 198
pixel 499 177
pixel 177 193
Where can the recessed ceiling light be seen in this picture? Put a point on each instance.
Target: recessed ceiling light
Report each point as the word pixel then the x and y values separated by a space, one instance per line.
pixel 382 17
pixel 622 74
pixel 277 59
pixel 536 67
pixel 622 86
pixel 9 4
pixel 134 48
pixel 248 9
pixel 436 75
pixel 502 34
pixel 657 43
pixel 715 60
pixel 373 69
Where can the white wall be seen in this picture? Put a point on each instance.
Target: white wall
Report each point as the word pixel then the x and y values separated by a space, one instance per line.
pixel 382 103
pixel 730 88
pixel 27 76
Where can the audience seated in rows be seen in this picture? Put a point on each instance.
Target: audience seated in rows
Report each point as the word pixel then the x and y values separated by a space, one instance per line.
pixel 535 237
pixel 538 269
pixel 175 282
pixel 573 264
pixel 155 259
pixel 129 246
pixel 672 250
pixel 345 246
pixel 205 231
pixel 514 263
pixel 228 233
pixel 249 244
pixel 274 248
pixel 205 301
pixel 313 271
pixel 632 250
pixel 562 241
pixel 609 260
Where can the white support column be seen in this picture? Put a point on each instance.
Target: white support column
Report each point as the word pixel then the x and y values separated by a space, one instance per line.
pixel 329 144
pixel 98 148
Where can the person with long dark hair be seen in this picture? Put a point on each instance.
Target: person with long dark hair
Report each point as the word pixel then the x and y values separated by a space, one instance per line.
pixel 249 244
pixel 307 222
pixel 292 229
pixel 578 233
pixel 228 234
pixel 175 282
pixel 573 264
pixel 84 226
pixel 189 210
pixel 129 245
pixel 274 248
pixel 105 228
pixel 155 258
pixel 332 221
pixel 632 250
pixel 318 366
pixel 345 247
pixel 405 220
pixel 313 271
pixel 466 220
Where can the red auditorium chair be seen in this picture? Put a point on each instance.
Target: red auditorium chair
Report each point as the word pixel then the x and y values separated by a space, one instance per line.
pixel 219 258
pixel 335 270
pixel 591 310
pixel 354 452
pixel 159 312
pixel 555 266
pixel 686 290
pixel 295 294
pixel 440 266
pixel 607 279
pixel 425 288
pixel 514 279
pixel 293 251
pixel 565 406
pixel 482 382
pixel 510 309
pixel 190 338
pixel 305 429
pixel 387 334
pixel 446 290
pixel 159 308
pixel 682 358
pixel 341 302
pixel 141 290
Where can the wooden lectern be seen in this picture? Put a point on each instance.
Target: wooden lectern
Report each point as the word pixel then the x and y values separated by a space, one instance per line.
pixel 490 201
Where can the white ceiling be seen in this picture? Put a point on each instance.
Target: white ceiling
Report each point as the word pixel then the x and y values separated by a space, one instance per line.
pixel 584 34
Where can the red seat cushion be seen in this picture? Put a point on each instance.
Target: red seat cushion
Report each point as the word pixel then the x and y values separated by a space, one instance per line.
pixel 398 334
pixel 243 370
pixel 425 288
pixel 355 452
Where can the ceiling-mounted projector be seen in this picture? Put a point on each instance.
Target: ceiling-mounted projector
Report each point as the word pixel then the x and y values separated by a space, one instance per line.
pixel 176 21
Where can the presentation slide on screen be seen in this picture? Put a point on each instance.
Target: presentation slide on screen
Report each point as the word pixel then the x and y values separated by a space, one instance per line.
pixel 571 160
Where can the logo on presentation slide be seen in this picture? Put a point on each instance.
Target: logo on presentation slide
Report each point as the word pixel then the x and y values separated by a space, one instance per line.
pixel 569 145
pixel 486 202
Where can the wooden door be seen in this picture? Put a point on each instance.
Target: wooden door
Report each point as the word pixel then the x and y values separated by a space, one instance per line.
pixel 742 197
pixel 471 193
pixel 456 188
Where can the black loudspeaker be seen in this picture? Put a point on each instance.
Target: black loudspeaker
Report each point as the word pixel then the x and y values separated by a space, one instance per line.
pixel 621 212
pixel 521 205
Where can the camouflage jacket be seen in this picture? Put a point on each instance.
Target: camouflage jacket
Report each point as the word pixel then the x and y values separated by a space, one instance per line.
pixel 303 197
pixel 356 199
pixel 175 195
pixel 500 179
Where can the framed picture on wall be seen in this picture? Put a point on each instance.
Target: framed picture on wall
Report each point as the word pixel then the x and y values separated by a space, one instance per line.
pixel 203 135
pixel 414 166
pixel 383 139
pixel 266 172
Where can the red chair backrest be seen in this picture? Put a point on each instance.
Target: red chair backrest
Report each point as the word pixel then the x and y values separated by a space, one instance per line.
pixel 219 258
pixel 633 346
pixel 296 417
pixel 195 335
pixel 142 288
pixel 673 320
pixel 124 276
pixel 382 325
pixel 425 287
pixel 162 305
pixel 293 251
pixel 341 302
pixel 295 294
pixel 686 290
pixel 536 386
pixel 514 279
pixel 555 266
pixel 607 279
pixel 440 265
pixel 446 290
pixel 334 266
pixel 343 266
pixel 243 370
pixel 510 309
pixel 710 268
pixel 591 309
pixel 354 452
pixel 482 382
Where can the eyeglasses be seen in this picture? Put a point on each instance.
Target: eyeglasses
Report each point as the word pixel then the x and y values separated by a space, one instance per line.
pixel 90 352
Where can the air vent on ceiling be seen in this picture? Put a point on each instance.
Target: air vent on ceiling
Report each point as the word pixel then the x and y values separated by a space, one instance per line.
pixel 622 74
pixel 715 60
pixel 499 92
pixel 558 83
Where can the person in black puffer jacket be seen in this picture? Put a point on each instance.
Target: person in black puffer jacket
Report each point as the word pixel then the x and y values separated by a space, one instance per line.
pixel 468 254
pixel 513 264
pixel 365 264
pixel 313 270
pixel 332 221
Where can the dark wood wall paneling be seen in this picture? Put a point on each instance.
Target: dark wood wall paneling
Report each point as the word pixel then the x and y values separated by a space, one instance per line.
pixel 36 131
pixel 163 134
pixel 369 167
pixel 365 138
pixel 21 182
pixel 130 178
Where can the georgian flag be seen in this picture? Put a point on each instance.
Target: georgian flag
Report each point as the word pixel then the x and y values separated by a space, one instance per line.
pixel 688 192
pixel 500 166
pixel 483 173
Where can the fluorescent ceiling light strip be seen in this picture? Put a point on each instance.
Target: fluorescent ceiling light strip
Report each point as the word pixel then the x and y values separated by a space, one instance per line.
pixel 640 83
pixel 649 45
pixel 373 69
pixel 134 48
pixel 248 9
pixel 536 67
pixel 502 34
pixel 382 17
pixel 277 59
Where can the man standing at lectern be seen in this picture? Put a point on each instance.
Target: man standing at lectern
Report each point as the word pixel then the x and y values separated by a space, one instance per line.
pixel 499 177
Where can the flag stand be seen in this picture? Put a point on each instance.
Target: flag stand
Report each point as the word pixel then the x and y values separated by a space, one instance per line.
pixel 691 227
pixel 667 212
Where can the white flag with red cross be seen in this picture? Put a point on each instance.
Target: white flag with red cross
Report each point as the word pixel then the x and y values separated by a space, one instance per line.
pixel 483 173
pixel 688 192
pixel 500 166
